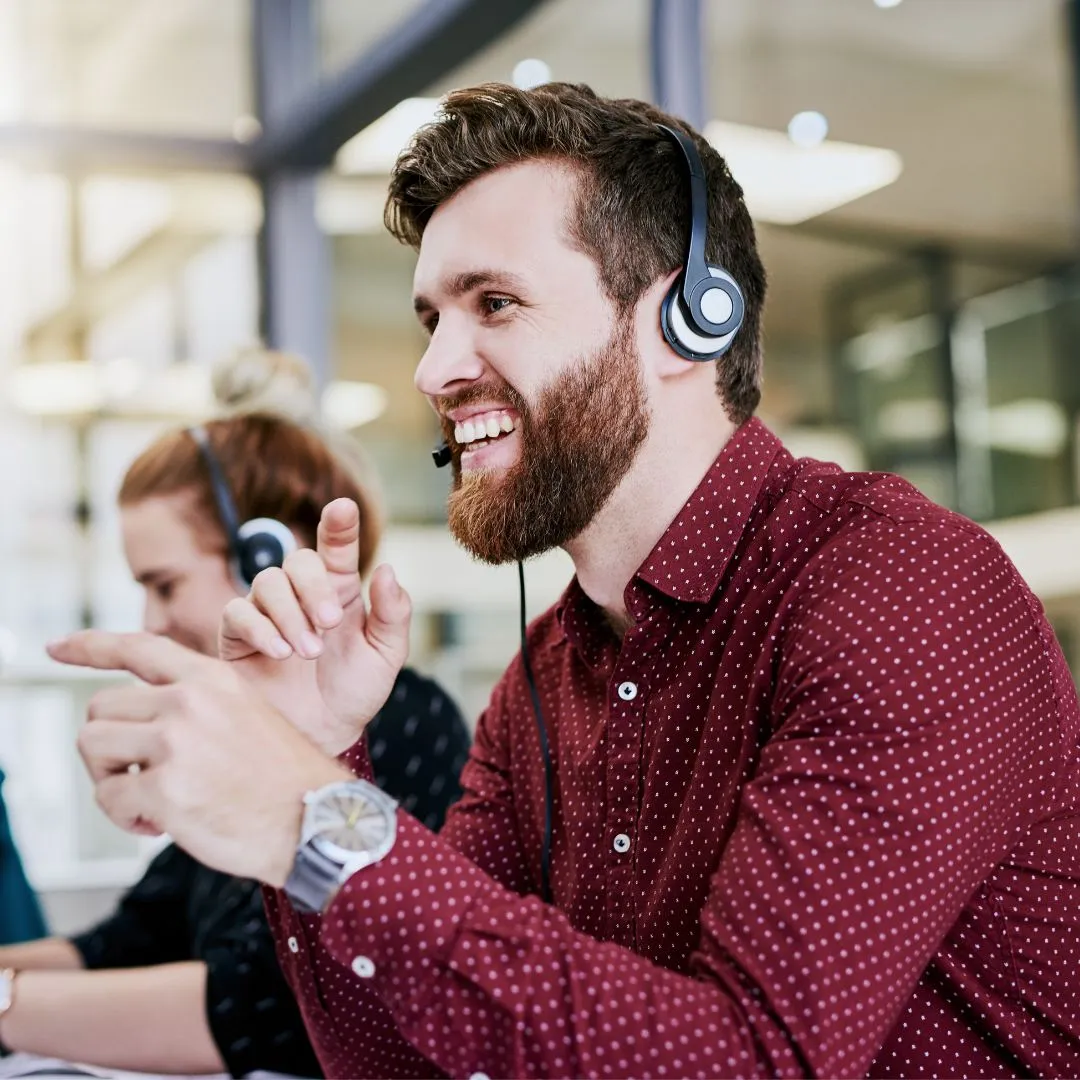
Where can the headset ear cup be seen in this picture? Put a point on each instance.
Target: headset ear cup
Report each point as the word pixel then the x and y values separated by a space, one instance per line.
pixel 262 543
pixel 688 342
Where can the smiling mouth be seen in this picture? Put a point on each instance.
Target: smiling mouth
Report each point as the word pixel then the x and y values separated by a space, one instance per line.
pixel 483 429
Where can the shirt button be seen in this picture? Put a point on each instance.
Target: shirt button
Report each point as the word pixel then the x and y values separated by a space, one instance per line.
pixel 622 843
pixel 363 967
pixel 628 691
pixel 294 945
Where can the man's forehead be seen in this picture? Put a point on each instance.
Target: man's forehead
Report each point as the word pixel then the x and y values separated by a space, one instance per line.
pixel 492 222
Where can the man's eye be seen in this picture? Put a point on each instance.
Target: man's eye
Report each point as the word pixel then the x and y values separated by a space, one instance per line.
pixel 164 590
pixel 495 304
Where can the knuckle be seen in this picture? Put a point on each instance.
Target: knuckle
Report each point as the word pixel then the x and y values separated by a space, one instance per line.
pixel 97 706
pixel 237 611
pixel 267 582
pixel 187 698
pixel 84 742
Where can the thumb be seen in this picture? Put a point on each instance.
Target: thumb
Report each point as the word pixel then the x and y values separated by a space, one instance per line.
pixel 387 626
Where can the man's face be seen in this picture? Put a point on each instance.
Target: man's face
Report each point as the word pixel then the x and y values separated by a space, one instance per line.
pixel 537 382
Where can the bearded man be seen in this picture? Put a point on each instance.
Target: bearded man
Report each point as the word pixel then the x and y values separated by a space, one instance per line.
pixel 786 783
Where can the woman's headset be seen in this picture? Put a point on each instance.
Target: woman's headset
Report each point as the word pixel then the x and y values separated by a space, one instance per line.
pixel 253 545
pixel 704 308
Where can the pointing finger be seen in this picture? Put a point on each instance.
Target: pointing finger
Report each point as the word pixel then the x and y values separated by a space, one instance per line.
pixel 151 658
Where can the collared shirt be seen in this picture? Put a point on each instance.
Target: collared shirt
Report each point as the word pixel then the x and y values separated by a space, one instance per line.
pixel 818 812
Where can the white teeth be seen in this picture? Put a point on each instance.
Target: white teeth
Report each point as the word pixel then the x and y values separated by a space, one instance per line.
pixel 487 427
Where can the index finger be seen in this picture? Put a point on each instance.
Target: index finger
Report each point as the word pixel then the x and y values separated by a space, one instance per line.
pixel 153 659
pixel 338 538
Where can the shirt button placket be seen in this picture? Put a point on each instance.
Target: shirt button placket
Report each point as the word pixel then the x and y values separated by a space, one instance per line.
pixel 628 706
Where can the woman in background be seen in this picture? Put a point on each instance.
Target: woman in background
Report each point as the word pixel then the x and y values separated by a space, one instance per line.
pixel 183 977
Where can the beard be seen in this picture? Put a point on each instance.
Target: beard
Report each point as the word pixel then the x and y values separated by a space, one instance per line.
pixel 577 443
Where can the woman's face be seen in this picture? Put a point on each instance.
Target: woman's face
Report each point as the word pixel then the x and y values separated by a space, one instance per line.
pixel 185 575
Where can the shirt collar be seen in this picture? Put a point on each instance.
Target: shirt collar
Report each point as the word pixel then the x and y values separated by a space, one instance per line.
pixel 689 560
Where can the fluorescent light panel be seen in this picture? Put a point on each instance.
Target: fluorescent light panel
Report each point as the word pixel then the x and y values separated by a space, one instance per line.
pixel 785 184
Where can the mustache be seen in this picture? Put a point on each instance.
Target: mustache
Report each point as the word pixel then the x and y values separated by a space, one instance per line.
pixel 471 395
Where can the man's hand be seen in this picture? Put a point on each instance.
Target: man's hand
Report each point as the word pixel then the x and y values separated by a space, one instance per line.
pixel 304 637
pixel 195 751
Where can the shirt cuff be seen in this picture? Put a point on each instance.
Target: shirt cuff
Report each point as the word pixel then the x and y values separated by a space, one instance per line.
pixel 398 923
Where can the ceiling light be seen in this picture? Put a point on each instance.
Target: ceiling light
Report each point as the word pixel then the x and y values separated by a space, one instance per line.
pixel 376 148
pixel 785 184
pixel 887 3
pixel 808 129
pixel 347 405
pixel 530 73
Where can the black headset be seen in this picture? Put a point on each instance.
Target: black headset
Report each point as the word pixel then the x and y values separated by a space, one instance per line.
pixel 704 308
pixel 253 545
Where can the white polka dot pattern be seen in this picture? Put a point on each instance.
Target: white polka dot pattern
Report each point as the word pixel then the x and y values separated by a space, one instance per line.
pixel 848 783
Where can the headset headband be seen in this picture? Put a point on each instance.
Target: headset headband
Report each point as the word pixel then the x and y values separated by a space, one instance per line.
pixel 222 496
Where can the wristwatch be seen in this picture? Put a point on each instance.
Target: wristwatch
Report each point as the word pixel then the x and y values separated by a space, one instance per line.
pixel 347 826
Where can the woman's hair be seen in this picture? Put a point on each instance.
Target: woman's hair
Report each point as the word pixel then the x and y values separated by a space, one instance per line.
pixel 274 461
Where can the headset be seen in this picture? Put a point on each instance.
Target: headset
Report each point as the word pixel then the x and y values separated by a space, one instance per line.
pixel 700 316
pixel 704 308
pixel 253 545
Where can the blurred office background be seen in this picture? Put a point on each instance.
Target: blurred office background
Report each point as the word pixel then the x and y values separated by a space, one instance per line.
pixel 182 177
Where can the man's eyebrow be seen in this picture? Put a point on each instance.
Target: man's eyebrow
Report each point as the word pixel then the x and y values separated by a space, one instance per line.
pixel 150 577
pixel 466 282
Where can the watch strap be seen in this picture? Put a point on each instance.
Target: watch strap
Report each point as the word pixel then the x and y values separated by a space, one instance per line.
pixel 312 880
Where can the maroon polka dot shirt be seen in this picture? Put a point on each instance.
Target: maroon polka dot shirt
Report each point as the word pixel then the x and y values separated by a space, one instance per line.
pixel 817 813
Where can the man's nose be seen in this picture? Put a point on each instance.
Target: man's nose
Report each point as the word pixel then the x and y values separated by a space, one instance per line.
pixel 450 361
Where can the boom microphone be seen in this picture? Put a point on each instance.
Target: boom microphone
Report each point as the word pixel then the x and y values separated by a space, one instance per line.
pixel 441 455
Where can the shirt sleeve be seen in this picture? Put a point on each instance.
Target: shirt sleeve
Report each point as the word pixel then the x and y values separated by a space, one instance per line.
pixel 150 925
pixel 861 820
pixel 418 743
pixel 253 1016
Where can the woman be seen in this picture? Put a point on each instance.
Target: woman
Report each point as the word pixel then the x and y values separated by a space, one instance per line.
pixel 183 977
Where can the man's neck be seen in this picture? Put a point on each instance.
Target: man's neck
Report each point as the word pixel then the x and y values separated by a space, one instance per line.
pixel 665 474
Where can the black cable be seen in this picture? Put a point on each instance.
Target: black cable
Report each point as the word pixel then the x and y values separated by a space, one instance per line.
pixel 545 749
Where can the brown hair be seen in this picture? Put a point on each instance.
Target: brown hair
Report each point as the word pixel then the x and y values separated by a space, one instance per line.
pixel 631 215
pixel 273 467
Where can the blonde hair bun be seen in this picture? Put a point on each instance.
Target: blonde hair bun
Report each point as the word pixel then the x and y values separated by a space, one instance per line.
pixel 265 381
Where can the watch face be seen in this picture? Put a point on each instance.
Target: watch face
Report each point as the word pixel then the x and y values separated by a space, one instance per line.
pixel 349 821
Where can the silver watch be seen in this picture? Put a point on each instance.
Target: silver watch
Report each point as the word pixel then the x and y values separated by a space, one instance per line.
pixel 347 826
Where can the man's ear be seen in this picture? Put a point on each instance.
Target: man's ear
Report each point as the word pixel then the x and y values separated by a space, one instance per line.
pixel 657 357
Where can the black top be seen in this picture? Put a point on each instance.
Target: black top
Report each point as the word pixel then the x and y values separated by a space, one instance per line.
pixel 182 910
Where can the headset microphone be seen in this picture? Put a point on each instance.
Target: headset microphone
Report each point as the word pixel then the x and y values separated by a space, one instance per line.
pixel 441 455
pixel 253 545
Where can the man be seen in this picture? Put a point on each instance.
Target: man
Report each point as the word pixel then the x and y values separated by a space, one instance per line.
pixel 813 745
